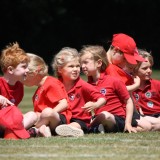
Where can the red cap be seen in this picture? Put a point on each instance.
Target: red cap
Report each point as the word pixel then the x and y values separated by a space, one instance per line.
pixel 127 45
pixel 9 134
pixel 12 119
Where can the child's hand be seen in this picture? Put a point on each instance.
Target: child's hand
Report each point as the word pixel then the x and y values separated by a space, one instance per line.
pixel 89 106
pixel 137 81
pixel 4 102
pixel 129 128
pixel 140 111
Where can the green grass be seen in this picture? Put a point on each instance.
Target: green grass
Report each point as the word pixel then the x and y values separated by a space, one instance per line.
pixel 156 74
pixel 26 104
pixel 119 146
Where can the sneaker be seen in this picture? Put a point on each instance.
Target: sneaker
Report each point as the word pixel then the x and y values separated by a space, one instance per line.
pixel 97 129
pixel 101 129
pixel 45 131
pixel 33 132
pixel 67 130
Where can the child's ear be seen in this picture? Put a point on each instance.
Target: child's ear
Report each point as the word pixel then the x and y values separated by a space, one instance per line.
pixel 10 69
pixel 116 49
pixel 99 62
pixel 59 70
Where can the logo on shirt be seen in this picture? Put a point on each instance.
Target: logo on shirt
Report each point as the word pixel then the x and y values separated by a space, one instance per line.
pixel 36 97
pixel 71 97
pixel 136 96
pixel 150 104
pixel 13 100
pixel 103 91
pixel 148 94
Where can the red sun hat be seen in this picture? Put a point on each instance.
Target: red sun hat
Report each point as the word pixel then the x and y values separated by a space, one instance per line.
pixel 12 119
pixel 127 45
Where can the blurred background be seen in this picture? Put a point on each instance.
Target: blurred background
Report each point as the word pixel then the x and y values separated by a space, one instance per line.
pixel 45 26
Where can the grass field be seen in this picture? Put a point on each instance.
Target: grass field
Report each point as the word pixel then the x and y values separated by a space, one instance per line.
pixel 143 146
pixel 119 146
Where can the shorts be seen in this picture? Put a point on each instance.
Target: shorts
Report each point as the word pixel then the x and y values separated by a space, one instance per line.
pixel 156 115
pixel 81 123
pixel 136 116
pixel 2 130
pixel 63 119
pixel 120 124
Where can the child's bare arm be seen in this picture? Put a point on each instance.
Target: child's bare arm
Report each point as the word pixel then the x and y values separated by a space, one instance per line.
pixel 89 106
pixel 62 105
pixel 4 102
pixel 134 86
pixel 129 114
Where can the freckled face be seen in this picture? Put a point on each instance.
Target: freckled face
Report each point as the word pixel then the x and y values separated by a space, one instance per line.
pixel 21 71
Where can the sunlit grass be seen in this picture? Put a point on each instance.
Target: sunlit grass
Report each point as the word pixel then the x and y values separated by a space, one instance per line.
pixel 119 146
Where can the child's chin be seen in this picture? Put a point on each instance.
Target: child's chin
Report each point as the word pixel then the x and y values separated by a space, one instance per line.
pixel 147 78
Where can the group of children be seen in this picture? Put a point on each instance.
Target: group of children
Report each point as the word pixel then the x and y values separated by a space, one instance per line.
pixel 118 96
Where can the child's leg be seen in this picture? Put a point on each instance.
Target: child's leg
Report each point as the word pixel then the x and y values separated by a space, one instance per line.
pixel 154 121
pixel 45 131
pixel 49 118
pixel 29 119
pixel 106 119
pixel 47 122
pixel 143 125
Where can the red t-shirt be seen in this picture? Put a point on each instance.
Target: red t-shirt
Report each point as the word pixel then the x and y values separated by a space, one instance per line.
pixel 11 117
pixel 148 98
pixel 118 72
pixel 49 94
pixel 81 93
pixel 12 93
pixel 115 92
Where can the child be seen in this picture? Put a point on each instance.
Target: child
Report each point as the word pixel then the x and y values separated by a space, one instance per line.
pixel 147 97
pixel 116 115
pixel 14 62
pixel 123 57
pixel 83 97
pixel 122 52
pixel 50 100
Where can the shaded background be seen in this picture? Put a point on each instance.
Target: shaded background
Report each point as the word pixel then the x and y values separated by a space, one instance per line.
pixel 45 26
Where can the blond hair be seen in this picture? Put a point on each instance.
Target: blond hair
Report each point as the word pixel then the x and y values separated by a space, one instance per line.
pixel 37 64
pixel 64 56
pixel 144 54
pixel 12 55
pixel 98 52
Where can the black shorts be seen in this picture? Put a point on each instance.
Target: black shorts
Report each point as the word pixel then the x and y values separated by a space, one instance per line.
pixel 136 116
pixel 2 131
pixel 156 115
pixel 120 124
pixel 63 119
pixel 81 123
